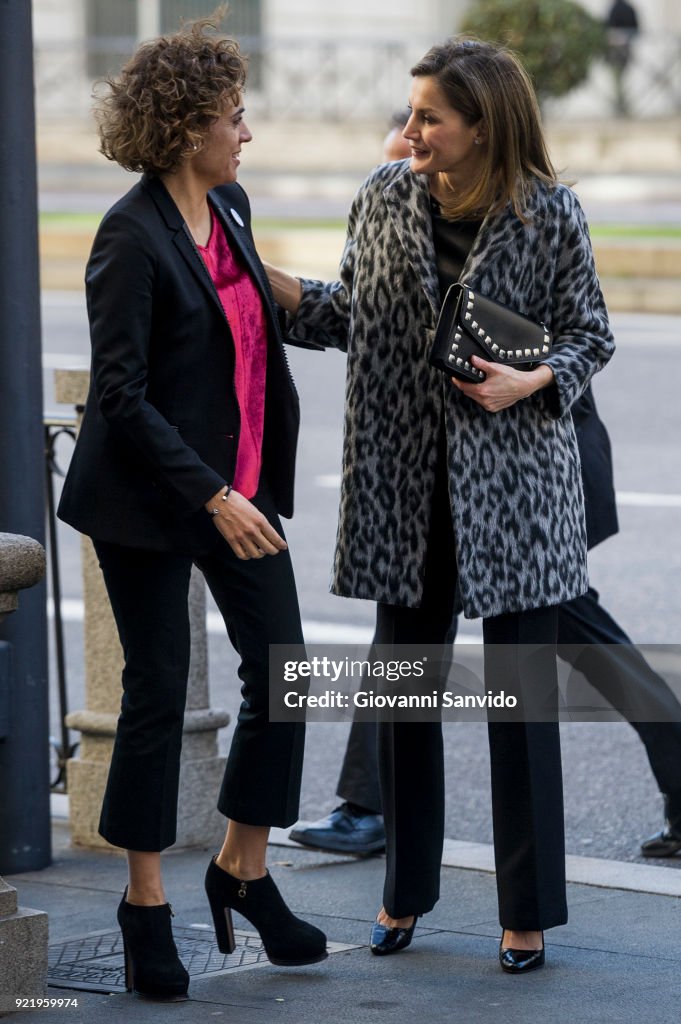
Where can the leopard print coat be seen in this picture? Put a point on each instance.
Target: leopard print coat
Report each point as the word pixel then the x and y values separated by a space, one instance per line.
pixel 514 476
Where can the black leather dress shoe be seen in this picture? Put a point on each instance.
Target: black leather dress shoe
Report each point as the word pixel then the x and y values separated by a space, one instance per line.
pixel 663 844
pixel 344 832
pixel 386 940
pixel 520 961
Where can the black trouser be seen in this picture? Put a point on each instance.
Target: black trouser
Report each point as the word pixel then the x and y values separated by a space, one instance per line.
pixel 614 667
pixel 618 671
pixel 258 601
pixel 527 795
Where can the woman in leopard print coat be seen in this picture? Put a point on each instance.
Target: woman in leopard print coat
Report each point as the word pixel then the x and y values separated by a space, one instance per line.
pixel 453 488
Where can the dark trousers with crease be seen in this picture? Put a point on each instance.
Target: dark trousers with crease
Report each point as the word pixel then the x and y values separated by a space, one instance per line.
pixel 613 666
pixel 258 602
pixel 527 793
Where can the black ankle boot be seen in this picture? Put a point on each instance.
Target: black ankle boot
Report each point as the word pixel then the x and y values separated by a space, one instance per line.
pixel 288 941
pixel 152 966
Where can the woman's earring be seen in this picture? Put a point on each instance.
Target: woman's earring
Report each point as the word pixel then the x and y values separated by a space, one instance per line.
pixel 477 141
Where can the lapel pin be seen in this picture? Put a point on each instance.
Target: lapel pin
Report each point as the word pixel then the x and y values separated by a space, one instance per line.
pixel 237 217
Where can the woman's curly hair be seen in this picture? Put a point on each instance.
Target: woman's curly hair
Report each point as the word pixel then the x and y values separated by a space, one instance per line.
pixel 158 109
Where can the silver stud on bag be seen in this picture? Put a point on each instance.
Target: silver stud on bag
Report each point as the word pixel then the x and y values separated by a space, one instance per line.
pixel 474 325
pixel 502 353
pixel 535 351
pixel 452 359
pixel 488 340
pixel 467 316
pixel 528 352
pixel 495 348
pixel 457 336
pixel 518 353
pixel 545 349
pixel 459 361
pixel 481 332
pixel 455 347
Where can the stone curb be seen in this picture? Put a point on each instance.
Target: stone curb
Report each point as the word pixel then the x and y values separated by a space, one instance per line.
pixel 596 871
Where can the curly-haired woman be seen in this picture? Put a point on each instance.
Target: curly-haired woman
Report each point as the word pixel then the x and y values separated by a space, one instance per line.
pixel 186 455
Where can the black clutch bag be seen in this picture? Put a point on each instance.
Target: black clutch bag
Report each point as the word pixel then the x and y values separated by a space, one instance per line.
pixel 472 325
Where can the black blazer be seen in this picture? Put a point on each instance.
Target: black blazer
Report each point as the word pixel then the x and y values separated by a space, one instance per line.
pixel 161 425
pixel 597 477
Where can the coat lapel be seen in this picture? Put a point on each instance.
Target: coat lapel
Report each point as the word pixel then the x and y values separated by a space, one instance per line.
pixel 239 238
pixel 408 204
pixel 181 236
pixel 237 235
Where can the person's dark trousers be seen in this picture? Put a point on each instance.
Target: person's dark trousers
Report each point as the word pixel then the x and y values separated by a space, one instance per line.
pixel 525 760
pixel 358 780
pixel 148 594
pixel 525 763
pixel 618 671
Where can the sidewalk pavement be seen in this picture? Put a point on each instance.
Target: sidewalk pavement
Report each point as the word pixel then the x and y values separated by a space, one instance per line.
pixel 618 959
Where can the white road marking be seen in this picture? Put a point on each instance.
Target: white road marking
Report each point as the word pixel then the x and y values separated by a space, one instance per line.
pixel 314 630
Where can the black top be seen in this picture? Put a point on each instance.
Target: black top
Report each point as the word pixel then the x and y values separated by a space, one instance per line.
pixel 452 240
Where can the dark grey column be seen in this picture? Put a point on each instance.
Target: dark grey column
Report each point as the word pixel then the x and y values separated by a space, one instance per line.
pixel 24 755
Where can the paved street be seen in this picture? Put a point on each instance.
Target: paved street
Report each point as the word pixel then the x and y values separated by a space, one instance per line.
pixel 611 799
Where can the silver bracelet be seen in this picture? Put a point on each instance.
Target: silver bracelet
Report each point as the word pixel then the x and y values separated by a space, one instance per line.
pixel 216 511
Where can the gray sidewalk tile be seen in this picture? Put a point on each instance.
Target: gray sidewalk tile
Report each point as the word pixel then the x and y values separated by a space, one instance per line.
pixel 616 961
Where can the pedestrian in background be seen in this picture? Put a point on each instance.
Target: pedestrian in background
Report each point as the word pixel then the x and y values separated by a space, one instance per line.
pixel 186 455
pixel 621 28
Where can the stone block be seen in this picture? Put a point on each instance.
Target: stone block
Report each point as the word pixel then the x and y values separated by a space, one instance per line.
pixel 23 953
pixel 199 822
pixel 22 562
pixel 71 386
pixel 86 780
pixel 8 899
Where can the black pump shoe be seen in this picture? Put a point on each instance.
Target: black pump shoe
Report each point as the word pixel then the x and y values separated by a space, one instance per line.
pixel 288 941
pixel 153 968
pixel 520 961
pixel 386 940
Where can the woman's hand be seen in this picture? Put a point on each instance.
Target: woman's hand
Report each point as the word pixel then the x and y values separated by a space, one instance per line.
pixel 287 290
pixel 244 527
pixel 504 385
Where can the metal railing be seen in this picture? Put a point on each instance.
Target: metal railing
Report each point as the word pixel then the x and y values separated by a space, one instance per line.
pixel 62 749
pixel 338 79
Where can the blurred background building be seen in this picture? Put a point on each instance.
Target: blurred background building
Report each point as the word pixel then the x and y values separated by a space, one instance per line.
pixel 314 60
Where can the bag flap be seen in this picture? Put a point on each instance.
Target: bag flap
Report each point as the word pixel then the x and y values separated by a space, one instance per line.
pixel 507 335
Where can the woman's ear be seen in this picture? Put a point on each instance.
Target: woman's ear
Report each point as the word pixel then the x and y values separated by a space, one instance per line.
pixel 480 133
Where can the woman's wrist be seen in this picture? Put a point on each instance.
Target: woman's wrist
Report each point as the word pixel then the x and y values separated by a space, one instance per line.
pixel 541 377
pixel 287 290
pixel 214 506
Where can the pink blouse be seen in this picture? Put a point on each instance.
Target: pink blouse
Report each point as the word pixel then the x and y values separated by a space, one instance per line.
pixel 243 308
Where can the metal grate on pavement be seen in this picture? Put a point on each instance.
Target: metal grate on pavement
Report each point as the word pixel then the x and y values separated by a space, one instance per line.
pixel 94 962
